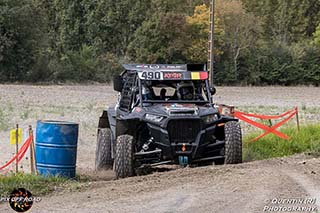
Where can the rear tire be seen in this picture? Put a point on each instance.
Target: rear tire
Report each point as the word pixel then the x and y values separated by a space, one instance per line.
pixel 104 159
pixel 233 143
pixel 124 161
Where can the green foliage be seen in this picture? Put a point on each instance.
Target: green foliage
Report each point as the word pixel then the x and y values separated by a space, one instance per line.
pixel 257 42
pixel 161 39
pixel 317 37
pixel 20 31
pixel 241 35
pixel 275 64
pixel 85 64
pixel 286 21
pixel 199 30
pixel 111 24
pixel 305 140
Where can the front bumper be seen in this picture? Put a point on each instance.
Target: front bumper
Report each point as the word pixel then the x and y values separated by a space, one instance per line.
pixel 204 145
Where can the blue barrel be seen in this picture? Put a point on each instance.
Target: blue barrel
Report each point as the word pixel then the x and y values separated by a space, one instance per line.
pixel 56 148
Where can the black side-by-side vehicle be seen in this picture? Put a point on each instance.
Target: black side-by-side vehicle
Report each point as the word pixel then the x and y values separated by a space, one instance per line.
pixel 165 115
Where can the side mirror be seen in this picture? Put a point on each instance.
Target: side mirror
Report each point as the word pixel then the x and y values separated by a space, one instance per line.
pixel 213 90
pixel 117 83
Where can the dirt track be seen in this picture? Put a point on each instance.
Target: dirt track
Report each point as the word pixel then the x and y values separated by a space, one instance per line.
pixel 238 188
pixel 243 188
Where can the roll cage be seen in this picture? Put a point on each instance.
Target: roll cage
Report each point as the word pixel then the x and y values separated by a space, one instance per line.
pixel 135 76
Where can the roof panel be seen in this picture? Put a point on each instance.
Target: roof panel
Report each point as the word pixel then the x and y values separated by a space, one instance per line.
pixel 166 67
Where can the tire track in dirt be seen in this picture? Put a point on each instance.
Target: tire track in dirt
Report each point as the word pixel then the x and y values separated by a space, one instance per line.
pixel 312 189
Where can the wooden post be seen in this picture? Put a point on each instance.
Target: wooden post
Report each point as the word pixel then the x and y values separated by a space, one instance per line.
pixel 232 110
pixel 17 147
pixel 32 156
pixel 297 117
pixel 211 42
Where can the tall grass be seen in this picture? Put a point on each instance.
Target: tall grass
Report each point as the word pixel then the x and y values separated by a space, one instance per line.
pixel 305 140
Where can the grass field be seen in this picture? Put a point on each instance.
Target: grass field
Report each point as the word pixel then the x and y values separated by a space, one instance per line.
pixel 306 140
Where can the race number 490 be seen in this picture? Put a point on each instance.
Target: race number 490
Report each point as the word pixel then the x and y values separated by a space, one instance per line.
pixel 151 75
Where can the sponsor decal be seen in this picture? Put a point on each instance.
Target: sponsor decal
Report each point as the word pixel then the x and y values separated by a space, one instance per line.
pixel 172 75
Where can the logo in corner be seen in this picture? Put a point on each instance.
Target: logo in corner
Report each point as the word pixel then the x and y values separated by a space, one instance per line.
pixel 21 200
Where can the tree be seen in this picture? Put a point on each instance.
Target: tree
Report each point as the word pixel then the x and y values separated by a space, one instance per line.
pixel 65 21
pixel 286 21
pixel 241 32
pixel 161 39
pixel 111 24
pixel 20 36
pixel 316 36
pixel 199 28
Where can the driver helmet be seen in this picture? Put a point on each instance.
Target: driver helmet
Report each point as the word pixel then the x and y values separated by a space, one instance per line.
pixel 185 90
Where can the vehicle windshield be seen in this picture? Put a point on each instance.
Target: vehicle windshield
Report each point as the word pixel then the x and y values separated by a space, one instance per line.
pixel 174 91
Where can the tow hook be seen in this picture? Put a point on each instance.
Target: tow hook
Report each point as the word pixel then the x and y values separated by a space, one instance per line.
pixel 183 161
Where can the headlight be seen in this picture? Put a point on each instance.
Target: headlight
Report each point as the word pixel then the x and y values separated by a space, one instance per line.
pixel 154 118
pixel 210 118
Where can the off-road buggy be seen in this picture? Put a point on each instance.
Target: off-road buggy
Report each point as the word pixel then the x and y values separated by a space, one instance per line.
pixel 165 115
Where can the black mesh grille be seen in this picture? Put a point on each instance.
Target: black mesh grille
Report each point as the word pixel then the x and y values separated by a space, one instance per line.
pixel 184 131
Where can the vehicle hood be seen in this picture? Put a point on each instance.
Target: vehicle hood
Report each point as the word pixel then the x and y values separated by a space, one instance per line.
pixel 180 110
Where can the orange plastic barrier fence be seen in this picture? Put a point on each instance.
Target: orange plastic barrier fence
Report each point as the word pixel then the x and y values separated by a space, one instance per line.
pixel 268 129
pixel 18 157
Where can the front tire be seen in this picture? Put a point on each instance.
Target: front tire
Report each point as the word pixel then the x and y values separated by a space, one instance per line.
pixel 124 160
pixel 104 159
pixel 233 143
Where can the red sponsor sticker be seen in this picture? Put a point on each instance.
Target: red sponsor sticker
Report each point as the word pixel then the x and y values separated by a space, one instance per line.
pixel 172 75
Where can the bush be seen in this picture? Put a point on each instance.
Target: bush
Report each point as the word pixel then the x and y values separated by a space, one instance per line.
pixel 85 65
pixel 40 71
